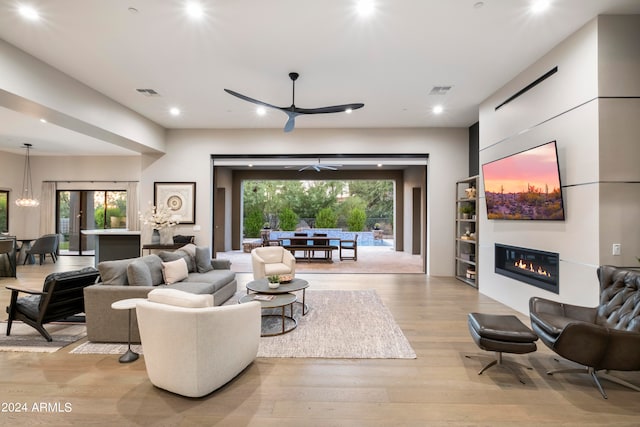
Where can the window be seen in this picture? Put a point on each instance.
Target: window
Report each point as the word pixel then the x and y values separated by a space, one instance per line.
pixel 4 211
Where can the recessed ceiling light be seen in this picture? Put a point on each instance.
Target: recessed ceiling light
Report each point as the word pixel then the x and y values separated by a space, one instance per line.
pixel 174 111
pixel 348 110
pixel 133 10
pixel 43 120
pixel 29 12
pixel 539 6
pixel 365 7
pixel 437 109
pixel 195 10
pixel 261 111
pixel 478 5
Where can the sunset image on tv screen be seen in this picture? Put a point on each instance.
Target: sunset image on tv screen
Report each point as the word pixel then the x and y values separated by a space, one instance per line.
pixel 524 186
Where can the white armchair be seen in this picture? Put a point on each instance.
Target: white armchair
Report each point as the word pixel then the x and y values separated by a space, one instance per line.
pixel 272 260
pixel 192 348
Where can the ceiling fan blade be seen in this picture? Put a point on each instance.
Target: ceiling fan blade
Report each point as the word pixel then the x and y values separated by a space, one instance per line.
pixel 254 101
pixel 291 123
pixel 294 111
pixel 331 109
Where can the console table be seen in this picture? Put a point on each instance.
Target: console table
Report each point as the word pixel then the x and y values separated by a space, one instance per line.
pixel 161 247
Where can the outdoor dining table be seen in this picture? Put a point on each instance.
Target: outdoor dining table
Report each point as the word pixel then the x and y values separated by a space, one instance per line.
pixel 307 248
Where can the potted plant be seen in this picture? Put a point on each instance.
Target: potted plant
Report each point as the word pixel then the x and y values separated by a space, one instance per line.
pixel 274 281
pixel 467 209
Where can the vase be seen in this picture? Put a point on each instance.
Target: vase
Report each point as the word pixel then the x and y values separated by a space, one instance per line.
pixel 155 237
pixel 166 236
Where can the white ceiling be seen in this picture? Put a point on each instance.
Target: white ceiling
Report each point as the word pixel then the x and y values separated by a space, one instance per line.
pixel 389 61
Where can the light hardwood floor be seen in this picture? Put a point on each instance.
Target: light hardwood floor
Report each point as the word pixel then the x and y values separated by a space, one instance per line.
pixel 440 387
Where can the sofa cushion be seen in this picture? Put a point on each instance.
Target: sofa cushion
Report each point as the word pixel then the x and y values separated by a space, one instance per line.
pixel 179 298
pixel 114 272
pixel 276 268
pixel 195 287
pixel 189 248
pixel 217 278
pixel 138 273
pixel 154 262
pixel 203 259
pixel 174 271
pixel 172 256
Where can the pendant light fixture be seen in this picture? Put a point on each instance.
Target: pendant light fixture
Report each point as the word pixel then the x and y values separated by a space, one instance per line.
pixel 27 200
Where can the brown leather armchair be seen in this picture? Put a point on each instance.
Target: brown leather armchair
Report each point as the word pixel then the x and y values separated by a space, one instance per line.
pixel 602 338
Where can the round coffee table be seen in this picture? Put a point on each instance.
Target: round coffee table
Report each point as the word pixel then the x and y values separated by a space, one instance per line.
pixel 275 301
pixel 262 286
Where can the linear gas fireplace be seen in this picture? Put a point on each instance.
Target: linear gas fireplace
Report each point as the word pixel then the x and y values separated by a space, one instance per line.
pixel 537 268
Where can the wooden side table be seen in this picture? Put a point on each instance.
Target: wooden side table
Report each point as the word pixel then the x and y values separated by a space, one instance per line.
pixel 128 304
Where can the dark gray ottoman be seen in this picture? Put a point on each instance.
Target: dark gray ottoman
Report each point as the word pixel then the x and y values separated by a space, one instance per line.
pixel 501 334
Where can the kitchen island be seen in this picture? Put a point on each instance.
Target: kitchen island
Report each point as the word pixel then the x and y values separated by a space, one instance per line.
pixel 115 244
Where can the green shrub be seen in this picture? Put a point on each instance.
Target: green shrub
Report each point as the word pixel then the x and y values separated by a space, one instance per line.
pixel 253 223
pixel 288 219
pixel 326 218
pixel 356 220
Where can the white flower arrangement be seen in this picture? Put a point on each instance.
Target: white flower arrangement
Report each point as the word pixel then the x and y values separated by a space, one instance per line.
pixel 158 217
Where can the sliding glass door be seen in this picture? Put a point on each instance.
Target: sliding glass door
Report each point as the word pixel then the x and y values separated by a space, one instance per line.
pixel 88 210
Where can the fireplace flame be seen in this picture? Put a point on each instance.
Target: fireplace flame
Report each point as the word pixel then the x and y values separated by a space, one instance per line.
pixel 536 270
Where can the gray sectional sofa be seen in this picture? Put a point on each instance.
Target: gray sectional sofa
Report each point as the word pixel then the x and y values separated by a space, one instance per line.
pixel 136 277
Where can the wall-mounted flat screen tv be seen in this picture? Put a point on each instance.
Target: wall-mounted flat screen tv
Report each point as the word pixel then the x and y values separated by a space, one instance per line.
pixel 525 185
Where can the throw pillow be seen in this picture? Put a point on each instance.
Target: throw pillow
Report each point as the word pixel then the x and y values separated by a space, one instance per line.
pixel 174 271
pixel 172 256
pixel 154 263
pixel 139 274
pixel 114 272
pixel 190 249
pixel 203 259
pixel 179 298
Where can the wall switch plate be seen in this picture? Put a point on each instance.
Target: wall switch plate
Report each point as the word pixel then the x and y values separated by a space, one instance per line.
pixel 616 249
pixel 196 228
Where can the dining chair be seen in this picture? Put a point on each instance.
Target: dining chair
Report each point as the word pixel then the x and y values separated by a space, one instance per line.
pixel 7 249
pixel 43 246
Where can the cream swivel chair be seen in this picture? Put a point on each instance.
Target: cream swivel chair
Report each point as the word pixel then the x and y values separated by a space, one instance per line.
pixel 192 348
pixel 272 260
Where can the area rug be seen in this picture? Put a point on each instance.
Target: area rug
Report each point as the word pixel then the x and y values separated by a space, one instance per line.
pixel 24 338
pixel 338 325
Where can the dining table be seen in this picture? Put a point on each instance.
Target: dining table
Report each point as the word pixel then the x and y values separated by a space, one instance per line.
pixel 25 245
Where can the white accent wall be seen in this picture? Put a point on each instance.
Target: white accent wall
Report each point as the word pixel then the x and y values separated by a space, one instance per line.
pixel 591 108
pixel 188 155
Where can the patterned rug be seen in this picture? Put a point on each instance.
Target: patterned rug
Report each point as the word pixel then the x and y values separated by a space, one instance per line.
pixel 339 324
pixel 24 338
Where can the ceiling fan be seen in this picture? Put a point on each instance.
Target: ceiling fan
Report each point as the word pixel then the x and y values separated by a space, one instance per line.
pixel 320 167
pixel 293 111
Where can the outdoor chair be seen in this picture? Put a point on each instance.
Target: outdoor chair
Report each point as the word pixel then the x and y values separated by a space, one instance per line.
pixel 299 242
pixel 61 296
pixel 267 241
pixel 43 246
pixel 320 243
pixel 349 245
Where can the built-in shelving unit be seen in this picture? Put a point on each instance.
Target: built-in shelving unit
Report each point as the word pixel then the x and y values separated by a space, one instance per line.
pixel 466 233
